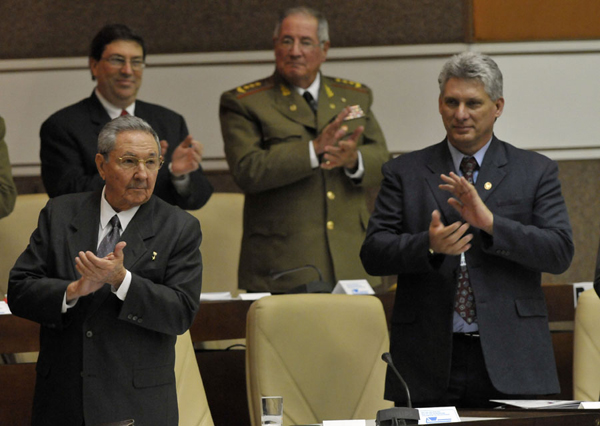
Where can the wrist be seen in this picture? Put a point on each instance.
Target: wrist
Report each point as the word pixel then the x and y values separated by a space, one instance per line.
pixel 173 175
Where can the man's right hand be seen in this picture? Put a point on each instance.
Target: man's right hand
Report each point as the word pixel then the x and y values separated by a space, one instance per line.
pixel 449 239
pixel 335 131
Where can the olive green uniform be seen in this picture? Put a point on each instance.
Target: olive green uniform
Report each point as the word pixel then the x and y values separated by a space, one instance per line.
pixel 295 215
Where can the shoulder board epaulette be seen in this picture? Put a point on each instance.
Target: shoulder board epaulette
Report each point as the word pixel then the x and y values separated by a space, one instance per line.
pixel 349 84
pixel 252 88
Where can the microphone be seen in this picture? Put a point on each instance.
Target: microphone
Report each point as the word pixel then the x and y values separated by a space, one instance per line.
pixel 387 358
pixel 318 286
pixel 397 416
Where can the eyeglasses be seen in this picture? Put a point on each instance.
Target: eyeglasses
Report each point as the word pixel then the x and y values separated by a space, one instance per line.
pixel 119 62
pixel 129 162
pixel 306 45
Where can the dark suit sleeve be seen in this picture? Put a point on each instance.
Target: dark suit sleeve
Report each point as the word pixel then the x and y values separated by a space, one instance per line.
pixel 199 190
pixel 63 169
pixel 8 191
pixel 169 302
pixel 544 241
pixel 31 293
pixel 388 248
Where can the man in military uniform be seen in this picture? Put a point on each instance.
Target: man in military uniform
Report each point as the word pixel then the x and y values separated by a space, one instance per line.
pixel 303 147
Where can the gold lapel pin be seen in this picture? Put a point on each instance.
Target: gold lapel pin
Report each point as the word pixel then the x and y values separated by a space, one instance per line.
pixel 488 186
pixel 154 255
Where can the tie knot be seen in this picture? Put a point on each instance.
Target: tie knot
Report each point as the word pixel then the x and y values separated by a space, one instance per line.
pixel 310 100
pixel 114 222
pixel 124 112
pixel 468 164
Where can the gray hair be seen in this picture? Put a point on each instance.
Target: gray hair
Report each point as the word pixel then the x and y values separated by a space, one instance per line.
pixel 473 66
pixel 323 26
pixel 126 123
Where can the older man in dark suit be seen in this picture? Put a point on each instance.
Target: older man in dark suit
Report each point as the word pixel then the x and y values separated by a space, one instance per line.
pixel 112 276
pixel 68 137
pixel 470 320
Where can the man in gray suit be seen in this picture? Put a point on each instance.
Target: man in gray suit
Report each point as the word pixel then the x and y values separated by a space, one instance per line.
pixel 469 225
pixel 113 276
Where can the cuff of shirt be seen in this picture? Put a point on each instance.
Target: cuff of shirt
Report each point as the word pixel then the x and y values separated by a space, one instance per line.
pixel 182 183
pixel 314 160
pixel 65 305
pixel 360 171
pixel 121 293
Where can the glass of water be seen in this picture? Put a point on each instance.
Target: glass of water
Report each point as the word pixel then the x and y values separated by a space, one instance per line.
pixel 272 410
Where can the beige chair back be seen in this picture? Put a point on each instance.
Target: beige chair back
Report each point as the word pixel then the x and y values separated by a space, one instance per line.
pixel 191 398
pixel 321 352
pixel 586 348
pixel 15 231
pixel 221 222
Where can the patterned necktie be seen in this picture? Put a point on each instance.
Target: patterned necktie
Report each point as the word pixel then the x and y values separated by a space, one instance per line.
pixel 310 100
pixel 110 240
pixel 464 301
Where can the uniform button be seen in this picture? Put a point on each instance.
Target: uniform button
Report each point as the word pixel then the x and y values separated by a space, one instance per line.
pixel 330 195
pixel 330 225
pixel 89 333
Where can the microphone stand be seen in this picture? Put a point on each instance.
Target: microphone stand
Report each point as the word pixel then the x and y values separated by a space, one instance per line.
pixel 397 416
pixel 312 287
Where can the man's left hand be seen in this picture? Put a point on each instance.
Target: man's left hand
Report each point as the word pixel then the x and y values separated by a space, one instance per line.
pixel 467 202
pixel 345 154
pixel 186 157
pixel 108 269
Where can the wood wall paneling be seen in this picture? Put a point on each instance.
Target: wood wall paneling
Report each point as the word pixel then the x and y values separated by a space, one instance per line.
pixel 528 20
pixel 44 28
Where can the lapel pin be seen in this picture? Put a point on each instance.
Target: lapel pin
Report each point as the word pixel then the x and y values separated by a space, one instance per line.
pixel 154 255
pixel 488 186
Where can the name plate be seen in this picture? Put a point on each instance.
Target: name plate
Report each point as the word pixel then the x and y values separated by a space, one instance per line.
pixel 432 415
pixel 353 287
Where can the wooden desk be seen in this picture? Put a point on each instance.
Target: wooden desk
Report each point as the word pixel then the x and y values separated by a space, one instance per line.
pixel 223 372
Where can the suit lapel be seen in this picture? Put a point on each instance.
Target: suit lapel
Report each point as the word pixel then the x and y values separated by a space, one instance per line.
pixel 289 103
pixel 441 162
pixel 492 170
pixel 139 229
pixel 84 228
pixel 327 110
pixel 98 114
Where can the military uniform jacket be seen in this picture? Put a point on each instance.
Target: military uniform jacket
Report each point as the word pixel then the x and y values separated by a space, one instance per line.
pixel 295 215
pixel 8 191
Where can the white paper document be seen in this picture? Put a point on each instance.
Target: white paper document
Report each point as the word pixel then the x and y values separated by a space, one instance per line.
pixel 539 404
pixel 252 296
pixel 216 295
pixel 4 308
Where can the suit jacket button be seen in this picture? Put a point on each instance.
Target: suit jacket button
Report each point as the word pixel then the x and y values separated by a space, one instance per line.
pixel 134 318
pixel 89 333
pixel 129 316
pixel 140 320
